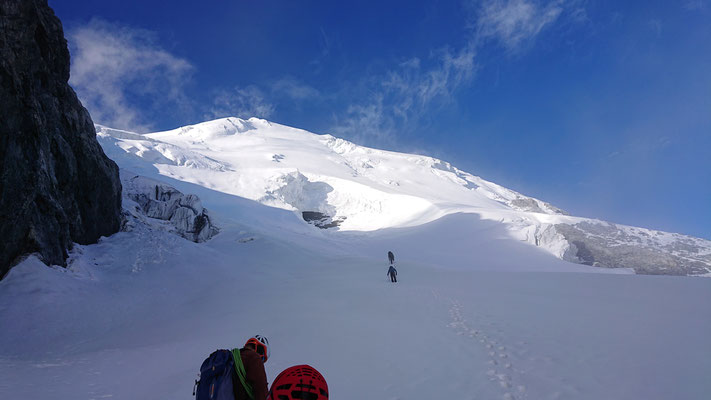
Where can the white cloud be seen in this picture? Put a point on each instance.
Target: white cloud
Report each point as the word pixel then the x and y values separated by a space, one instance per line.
pixel 114 67
pixel 403 95
pixel 366 122
pixel 514 22
pixel 411 63
pixel 414 88
pixel 294 89
pixel 240 102
pixel 694 5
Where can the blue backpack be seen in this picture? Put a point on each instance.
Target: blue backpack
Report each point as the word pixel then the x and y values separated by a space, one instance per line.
pixel 217 375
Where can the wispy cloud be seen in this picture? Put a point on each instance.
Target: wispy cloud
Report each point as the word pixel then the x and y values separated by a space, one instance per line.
pixel 400 97
pixel 694 5
pixel 656 26
pixel 125 79
pixel 418 87
pixel 258 101
pixel 243 102
pixel 513 23
pixel 114 65
pixel 404 95
pixel 294 89
pixel 366 122
pixel 326 43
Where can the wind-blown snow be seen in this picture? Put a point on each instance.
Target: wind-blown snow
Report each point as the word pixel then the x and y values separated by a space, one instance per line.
pixel 475 314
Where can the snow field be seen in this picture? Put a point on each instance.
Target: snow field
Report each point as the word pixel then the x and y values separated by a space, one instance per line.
pixel 135 315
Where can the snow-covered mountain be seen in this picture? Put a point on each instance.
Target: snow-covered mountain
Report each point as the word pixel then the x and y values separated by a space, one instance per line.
pixel 214 247
pixel 336 184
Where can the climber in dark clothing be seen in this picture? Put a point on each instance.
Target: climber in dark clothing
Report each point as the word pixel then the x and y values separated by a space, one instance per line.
pixel 391 257
pixel 254 354
pixel 392 272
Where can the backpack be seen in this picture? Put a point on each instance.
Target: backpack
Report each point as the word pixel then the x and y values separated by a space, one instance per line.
pixel 217 374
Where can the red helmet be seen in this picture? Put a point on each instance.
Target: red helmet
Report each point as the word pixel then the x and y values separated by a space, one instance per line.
pixel 299 382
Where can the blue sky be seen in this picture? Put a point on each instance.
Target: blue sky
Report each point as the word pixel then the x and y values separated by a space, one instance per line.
pixel 600 108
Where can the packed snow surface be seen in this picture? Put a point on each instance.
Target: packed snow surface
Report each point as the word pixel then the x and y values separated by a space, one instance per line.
pixel 474 315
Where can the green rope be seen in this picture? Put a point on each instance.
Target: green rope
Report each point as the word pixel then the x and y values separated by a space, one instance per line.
pixel 241 373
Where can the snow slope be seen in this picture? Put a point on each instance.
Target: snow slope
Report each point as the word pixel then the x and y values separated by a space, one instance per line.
pixel 474 315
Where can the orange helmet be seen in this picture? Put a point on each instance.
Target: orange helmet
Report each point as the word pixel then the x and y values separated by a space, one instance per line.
pixel 261 346
pixel 299 382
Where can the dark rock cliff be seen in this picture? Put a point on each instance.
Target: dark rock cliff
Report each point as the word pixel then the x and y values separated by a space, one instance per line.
pixel 56 184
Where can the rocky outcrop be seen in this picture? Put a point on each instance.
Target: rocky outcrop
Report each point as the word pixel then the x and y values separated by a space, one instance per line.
pixel 646 251
pixel 56 184
pixel 184 213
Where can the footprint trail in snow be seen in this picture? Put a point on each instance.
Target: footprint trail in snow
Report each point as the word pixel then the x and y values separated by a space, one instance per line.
pixel 500 364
